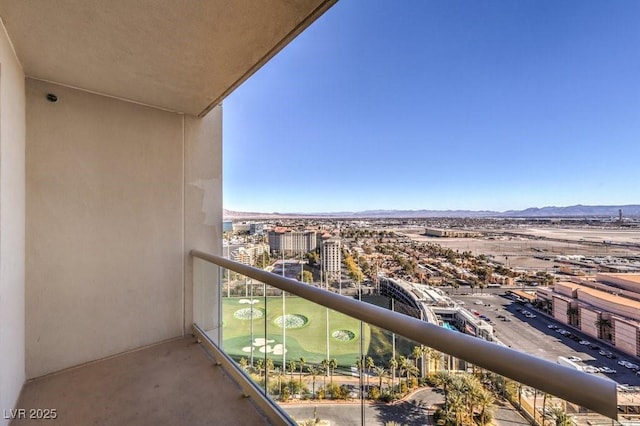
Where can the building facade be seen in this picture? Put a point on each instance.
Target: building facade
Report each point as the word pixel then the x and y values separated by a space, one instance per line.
pixel 290 242
pixel 607 308
pixel 331 258
pixel 248 255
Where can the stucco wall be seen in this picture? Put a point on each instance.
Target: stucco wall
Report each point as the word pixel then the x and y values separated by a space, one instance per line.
pixel 106 225
pixel 588 322
pixel 12 225
pixel 203 198
pixel 560 307
pixel 626 336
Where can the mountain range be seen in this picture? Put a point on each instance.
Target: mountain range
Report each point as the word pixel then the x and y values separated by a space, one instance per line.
pixel 532 212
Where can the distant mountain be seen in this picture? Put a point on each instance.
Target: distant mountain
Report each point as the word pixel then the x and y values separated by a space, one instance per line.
pixel 575 211
pixel 570 211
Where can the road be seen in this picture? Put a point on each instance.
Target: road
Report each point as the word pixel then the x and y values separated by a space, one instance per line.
pixel 415 410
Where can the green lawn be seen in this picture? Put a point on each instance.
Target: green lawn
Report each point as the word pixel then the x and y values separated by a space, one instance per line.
pixel 308 339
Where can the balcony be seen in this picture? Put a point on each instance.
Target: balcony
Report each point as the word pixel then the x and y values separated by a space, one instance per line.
pixel 319 343
pixel 170 383
pixel 111 171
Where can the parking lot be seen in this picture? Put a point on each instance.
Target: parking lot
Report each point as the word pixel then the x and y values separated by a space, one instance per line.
pixel 524 329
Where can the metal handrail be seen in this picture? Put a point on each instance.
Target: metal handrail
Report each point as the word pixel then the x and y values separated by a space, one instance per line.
pixel 595 393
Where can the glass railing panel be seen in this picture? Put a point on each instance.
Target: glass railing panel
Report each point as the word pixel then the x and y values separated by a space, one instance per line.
pixel 244 327
pixel 320 364
pixel 206 298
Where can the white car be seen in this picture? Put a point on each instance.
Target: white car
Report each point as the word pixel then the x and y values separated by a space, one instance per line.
pixel 584 342
pixel 607 370
pixel 478 302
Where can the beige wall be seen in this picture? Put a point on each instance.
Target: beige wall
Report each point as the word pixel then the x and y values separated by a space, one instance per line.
pixel 12 225
pixel 560 307
pixel 588 322
pixel 626 336
pixel 107 198
pixel 203 195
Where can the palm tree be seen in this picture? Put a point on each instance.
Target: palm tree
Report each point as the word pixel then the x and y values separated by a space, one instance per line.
pixel 544 406
pixel 278 373
pixel 402 365
pixel 325 367
pixel 604 328
pixel 427 352
pixel 561 416
pixel 301 367
pixel 438 357
pixel 268 366
pixel 313 372
pixel 259 366
pixel 369 364
pixel 417 353
pixel 380 372
pixel 292 368
pixel 412 370
pixel 485 401
pixel 333 364
pixel 455 404
pixel 441 378
pixel 393 364
pixel 243 363
pixel 572 315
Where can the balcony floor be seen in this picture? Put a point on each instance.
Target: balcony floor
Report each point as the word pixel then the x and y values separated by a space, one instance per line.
pixel 171 383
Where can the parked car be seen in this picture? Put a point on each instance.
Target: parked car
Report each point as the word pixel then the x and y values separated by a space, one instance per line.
pixel 607 370
pixel 574 358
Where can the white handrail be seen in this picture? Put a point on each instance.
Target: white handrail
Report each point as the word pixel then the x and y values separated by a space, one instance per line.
pixel 595 393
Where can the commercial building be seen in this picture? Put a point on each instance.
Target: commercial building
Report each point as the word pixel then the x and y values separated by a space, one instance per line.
pixel 607 308
pixel 256 228
pixel 450 233
pixel 290 242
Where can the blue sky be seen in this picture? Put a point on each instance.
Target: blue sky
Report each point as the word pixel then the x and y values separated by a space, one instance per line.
pixel 442 104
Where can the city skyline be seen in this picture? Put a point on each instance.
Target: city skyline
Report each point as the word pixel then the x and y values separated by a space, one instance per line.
pixel 441 106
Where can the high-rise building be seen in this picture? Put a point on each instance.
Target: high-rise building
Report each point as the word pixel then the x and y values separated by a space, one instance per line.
pixel 290 242
pixel 331 257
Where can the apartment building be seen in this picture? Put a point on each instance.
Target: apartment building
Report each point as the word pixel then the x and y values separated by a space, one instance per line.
pixel 331 257
pixel 249 254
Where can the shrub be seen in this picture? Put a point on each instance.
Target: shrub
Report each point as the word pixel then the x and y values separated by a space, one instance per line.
pixel 374 393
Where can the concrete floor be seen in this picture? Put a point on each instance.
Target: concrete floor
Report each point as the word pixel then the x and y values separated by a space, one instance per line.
pixel 172 383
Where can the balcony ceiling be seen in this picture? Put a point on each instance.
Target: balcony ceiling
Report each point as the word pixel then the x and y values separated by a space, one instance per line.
pixel 180 55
